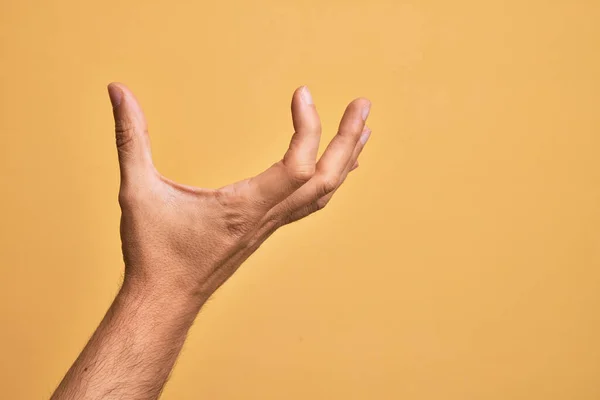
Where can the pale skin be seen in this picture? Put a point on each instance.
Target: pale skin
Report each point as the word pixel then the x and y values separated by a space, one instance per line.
pixel 180 243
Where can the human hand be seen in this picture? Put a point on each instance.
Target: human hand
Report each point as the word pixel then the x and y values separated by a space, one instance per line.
pixel 179 239
pixel 180 243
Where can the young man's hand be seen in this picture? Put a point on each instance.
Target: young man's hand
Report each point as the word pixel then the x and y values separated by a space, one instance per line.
pixel 189 240
pixel 180 243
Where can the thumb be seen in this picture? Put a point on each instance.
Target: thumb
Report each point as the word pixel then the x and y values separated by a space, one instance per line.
pixel 131 129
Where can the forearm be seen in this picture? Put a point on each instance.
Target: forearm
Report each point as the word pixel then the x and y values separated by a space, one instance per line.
pixel 134 348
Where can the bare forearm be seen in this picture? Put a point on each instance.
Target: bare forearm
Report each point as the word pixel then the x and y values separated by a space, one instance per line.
pixel 134 348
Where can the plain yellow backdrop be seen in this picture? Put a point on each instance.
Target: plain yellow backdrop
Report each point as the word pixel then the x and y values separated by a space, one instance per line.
pixel 460 261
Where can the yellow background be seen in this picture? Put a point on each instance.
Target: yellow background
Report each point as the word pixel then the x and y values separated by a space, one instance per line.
pixel 460 261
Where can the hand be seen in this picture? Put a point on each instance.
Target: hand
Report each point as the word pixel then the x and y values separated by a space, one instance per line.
pixel 180 243
pixel 188 240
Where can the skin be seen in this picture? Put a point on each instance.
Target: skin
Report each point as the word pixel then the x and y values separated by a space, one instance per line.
pixel 180 243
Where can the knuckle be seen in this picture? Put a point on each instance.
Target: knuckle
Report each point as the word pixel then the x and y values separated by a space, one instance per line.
pixel 275 221
pixel 239 218
pixel 321 203
pixel 329 183
pixel 224 196
pixel 299 173
pixel 124 134
pixel 238 223
pixel 312 208
pixel 237 227
pixel 302 174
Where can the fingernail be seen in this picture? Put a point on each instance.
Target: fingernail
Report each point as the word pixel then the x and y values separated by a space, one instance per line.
pixel 365 135
pixel 306 96
pixel 365 111
pixel 116 95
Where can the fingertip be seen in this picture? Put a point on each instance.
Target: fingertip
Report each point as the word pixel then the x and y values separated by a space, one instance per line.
pixel 304 113
pixel 306 96
pixel 115 93
pixel 121 92
pixel 298 91
pixel 364 105
pixel 364 137
pixel 119 85
pixel 303 96
pixel 360 102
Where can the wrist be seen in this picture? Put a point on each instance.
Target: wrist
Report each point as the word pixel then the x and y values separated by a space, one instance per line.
pixel 159 297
